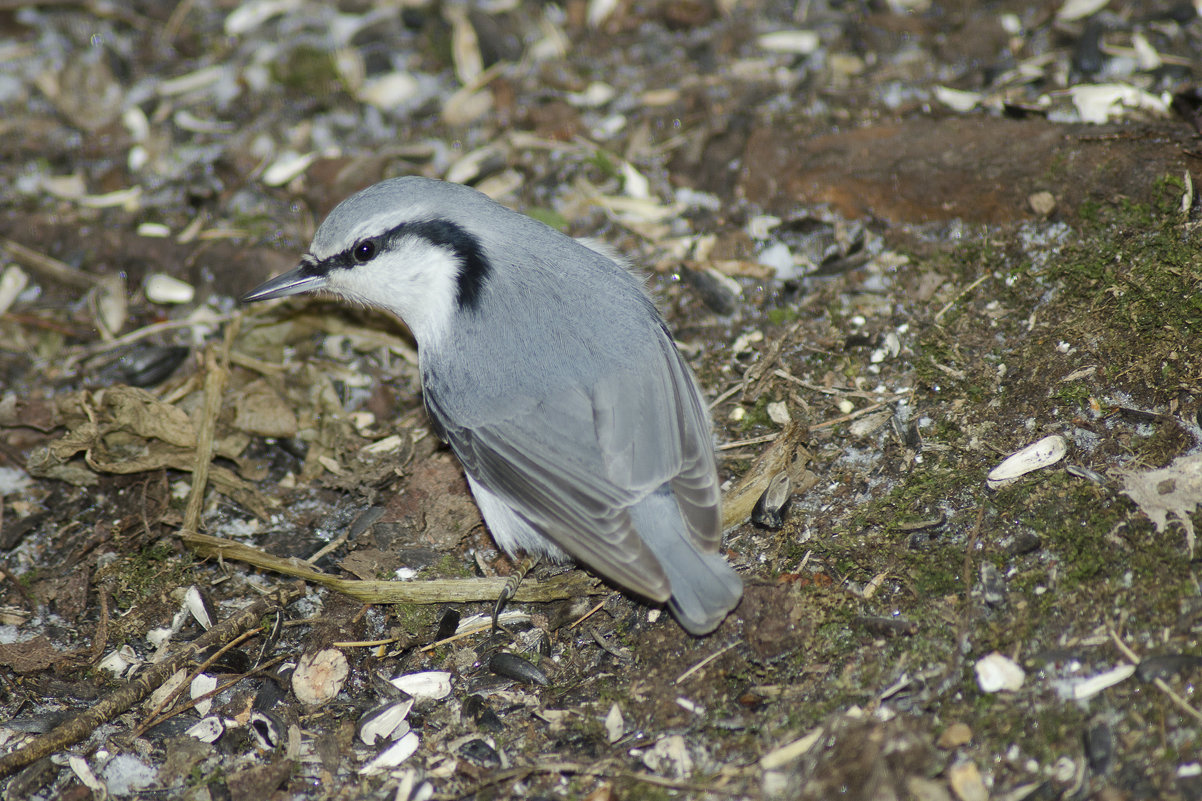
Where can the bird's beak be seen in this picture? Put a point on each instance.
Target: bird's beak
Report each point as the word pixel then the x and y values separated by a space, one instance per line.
pixel 296 281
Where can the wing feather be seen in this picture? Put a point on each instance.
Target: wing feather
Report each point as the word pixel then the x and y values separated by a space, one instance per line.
pixel 574 462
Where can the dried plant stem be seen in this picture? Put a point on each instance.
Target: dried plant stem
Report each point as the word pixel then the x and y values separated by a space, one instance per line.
pixel 434 591
pixel 216 376
pixel 787 452
pixel 153 718
pixel 1160 683
pixel 147 331
pixel 47 267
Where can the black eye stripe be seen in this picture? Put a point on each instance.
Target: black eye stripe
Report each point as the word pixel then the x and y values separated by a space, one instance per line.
pixel 474 267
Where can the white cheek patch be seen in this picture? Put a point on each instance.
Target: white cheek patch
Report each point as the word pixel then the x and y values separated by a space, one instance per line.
pixel 414 280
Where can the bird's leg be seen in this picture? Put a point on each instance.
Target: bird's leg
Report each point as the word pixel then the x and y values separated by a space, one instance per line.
pixel 511 587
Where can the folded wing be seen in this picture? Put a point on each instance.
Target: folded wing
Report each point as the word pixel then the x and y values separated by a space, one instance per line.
pixel 573 464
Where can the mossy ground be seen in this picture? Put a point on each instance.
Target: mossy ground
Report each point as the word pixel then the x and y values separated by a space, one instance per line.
pixel 1090 341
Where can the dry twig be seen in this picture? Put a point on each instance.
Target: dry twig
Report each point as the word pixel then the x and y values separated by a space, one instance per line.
pixel 1160 683
pixel 568 585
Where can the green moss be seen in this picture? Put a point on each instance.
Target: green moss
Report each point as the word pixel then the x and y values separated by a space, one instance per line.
pixel 205 774
pixel 917 498
pixel 306 69
pixel 549 216
pixel 449 566
pixel 756 416
pixel 937 572
pixel 1133 279
pixel 606 163
pixel 1075 395
pixel 153 571
pixel 413 618
pixel 781 315
pixel 1058 170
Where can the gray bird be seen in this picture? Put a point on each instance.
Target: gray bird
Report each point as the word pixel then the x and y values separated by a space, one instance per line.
pixel 552 377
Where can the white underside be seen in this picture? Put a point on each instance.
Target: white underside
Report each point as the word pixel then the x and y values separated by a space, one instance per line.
pixel 511 532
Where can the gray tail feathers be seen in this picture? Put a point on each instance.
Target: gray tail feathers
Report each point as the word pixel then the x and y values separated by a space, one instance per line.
pixel 704 587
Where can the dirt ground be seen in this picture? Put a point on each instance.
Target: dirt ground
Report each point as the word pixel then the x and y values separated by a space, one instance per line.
pixel 898 242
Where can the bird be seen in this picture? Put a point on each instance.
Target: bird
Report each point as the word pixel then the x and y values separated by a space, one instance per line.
pixel 553 378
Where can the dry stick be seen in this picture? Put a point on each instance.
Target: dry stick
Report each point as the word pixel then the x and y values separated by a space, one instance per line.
pixel 82 725
pixel 706 661
pixel 435 591
pixel 362 643
pixel 213 693
pixel 743 443
pixel 18 586
pixel 146 331
pixel 834 421
pixel 588 614
pixel 761 371
pixel 459 635
pixel 101 637
pixel 46 266
pixel 216 375
pixel 175 22
pixel 968 575
pixel 725 395
pixel 152 718
pixel 959 296
pixel 220 688
pixel 1161 684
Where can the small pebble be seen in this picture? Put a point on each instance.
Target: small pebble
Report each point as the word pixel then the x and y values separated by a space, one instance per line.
pixel 996 672
pixel 967 783
pixel 1042 203
pixel 954 736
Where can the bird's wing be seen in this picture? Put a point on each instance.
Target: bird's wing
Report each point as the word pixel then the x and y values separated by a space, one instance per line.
pixel 664 437
pixel 574 462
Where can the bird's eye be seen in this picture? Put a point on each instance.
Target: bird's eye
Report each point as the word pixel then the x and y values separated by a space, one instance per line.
pixel 365 251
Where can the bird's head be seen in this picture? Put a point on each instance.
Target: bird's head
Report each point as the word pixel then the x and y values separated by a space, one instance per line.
pixel 404 246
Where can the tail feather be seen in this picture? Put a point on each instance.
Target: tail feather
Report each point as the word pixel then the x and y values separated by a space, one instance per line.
pixel 704 587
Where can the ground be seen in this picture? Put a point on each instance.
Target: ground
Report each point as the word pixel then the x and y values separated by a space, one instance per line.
pixel 897 242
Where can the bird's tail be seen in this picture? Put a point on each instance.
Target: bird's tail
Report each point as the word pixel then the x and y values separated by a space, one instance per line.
pixel 704 587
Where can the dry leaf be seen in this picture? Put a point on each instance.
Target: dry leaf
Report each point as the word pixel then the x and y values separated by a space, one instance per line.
pixel 260 410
